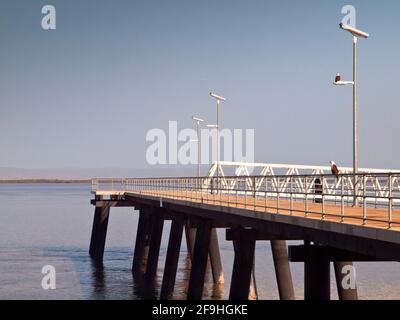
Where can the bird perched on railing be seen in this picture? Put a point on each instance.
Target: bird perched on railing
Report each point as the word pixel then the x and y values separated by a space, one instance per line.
pixel 334 169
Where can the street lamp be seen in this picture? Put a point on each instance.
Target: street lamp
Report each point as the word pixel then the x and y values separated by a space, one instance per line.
pixel 198 122
pixel 338 81
pixel 218 99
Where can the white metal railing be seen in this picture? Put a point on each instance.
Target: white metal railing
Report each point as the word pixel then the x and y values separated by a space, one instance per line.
pixel 108 184
pixel 377 200
pixel 294 174
pixel 262 169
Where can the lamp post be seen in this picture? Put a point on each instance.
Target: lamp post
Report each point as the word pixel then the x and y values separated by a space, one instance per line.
pixel 198 123
pixel 338 81
pixel 218 99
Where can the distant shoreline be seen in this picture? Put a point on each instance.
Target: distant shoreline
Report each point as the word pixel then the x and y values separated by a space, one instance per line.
pixel 45 181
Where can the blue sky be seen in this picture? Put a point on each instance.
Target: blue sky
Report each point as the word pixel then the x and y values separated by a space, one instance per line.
pixel 85 94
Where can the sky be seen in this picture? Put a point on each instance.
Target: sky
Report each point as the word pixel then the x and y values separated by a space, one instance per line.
pixel 85 94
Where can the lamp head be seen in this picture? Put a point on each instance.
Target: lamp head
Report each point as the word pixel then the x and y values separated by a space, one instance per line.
pixel 219 98
pixel 355 32
pixel 339 82
pixel 197 119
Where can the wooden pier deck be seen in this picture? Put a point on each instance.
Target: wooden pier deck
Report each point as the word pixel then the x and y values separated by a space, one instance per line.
pixel 375 217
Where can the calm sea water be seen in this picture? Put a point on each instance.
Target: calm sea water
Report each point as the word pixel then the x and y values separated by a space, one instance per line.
pixel 50 224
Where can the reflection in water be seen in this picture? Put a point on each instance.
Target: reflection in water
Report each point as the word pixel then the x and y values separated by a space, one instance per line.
pixel 146 289
pixel 103 280
pixel 211 290
pixel 253 294
pixel 98 278
pixel 182 277
pixel 217 291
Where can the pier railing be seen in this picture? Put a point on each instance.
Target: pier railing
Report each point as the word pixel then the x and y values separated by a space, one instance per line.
pixel 376 199
pixel 108 184
pixel 223 168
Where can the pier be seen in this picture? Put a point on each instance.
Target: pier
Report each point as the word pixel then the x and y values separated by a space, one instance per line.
pixel 336 221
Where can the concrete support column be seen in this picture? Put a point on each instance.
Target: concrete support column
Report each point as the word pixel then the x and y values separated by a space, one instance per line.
pixel 244 245
pixel 347 289
pixel 253 292
pixel 157 225
pixel 215 258
pixel 171 262
pixel 190 234
pixel 282 270
pixel 92 246
pixel 142 243
pixel 316 274
pixel 99 232
pixel 199 261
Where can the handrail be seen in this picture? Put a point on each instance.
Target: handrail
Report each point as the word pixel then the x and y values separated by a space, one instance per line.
pixel 309 194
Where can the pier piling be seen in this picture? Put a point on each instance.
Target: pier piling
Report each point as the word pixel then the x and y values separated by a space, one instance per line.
pixel 244 246
pixel 142 242
pixel 344 293
pixel 190 235
pixel 199 261
pixel 99 232
pixel 215 258
pixel 316 274
pixel 282 269
pixel 154 246
pixel 171 261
